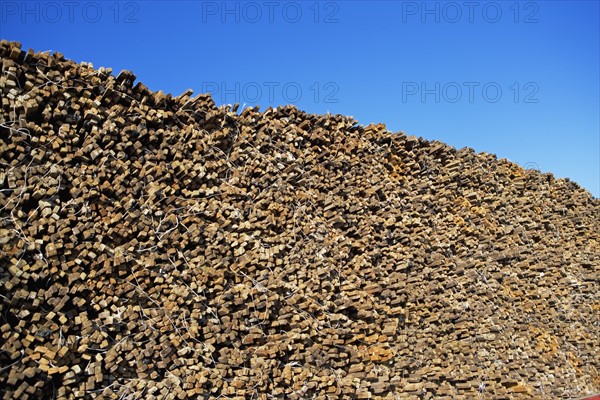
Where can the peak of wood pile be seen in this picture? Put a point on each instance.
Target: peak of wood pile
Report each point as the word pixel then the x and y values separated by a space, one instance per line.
pixel 162 247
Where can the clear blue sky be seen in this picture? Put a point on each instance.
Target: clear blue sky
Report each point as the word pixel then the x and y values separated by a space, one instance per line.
pixel 518 79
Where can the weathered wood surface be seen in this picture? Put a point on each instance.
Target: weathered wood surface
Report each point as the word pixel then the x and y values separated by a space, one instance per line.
pixel 161 247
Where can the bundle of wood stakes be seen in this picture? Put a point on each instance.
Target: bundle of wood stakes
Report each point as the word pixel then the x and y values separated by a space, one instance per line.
pixel 161 247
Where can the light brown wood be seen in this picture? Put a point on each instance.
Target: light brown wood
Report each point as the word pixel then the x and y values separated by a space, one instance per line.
pixel 162 247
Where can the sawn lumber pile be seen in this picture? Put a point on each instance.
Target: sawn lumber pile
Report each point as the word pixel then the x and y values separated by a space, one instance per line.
pixel 161 247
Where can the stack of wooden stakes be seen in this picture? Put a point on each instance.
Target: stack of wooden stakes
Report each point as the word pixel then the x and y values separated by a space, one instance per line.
pixel 162 247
